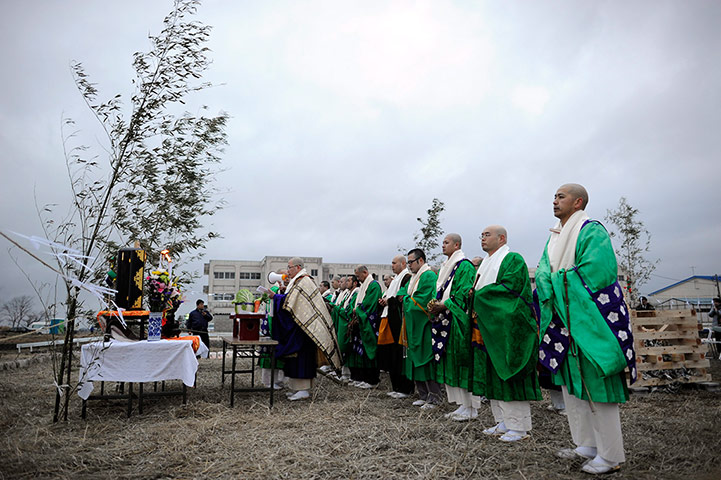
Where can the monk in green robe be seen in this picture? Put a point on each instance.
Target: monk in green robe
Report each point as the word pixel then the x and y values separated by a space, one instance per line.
pixel 336 289
pixel 364 332
pixel 325 291
pixel 503 311
pixel 419 365
pixel 337 302
pixel 343 312
pixel 451 329
pixel 586 339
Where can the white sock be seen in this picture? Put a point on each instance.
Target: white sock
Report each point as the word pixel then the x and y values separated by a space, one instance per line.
pixel 587 451
pixel 557 400
pixel 599 460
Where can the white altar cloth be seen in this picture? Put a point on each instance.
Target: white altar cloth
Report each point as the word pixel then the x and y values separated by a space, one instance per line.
pixel 116 361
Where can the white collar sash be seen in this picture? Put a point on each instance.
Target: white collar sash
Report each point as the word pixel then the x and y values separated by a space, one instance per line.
pixel 393 288
pixel 562 244
pixel 445 273
pixel 488 271
pixel 363 289
pixel 414 279
pixel 297 277
pixel 350 295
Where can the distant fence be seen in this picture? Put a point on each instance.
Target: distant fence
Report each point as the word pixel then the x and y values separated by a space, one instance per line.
pixel 51 343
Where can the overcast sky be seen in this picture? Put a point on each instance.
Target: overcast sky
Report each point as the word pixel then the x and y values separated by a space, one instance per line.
pixel 348 118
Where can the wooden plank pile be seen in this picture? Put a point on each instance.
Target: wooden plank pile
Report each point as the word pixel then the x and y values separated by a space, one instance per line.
pixel 668 348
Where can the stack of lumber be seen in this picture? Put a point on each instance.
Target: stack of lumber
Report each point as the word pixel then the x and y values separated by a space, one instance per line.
pixel 668 348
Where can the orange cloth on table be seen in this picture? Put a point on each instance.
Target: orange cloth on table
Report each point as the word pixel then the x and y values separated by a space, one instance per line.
pixel 126 313
pixel 194 338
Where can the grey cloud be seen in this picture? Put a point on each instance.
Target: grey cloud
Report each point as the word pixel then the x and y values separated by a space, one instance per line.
pixel 323 165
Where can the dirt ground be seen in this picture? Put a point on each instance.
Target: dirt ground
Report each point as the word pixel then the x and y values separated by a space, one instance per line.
pixel 342 432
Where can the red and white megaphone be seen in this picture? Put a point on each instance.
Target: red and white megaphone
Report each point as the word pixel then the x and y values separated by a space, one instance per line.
pixel 276 277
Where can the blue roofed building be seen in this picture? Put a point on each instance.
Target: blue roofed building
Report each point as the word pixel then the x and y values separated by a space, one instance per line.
pixel 696 291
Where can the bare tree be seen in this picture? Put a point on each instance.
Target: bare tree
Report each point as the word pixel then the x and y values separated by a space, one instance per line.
pixel 18 311
pixel 635 242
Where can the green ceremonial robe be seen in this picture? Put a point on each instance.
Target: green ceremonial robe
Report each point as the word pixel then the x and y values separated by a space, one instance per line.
pixel 370 306
pixel 510 334
pixel 419 354
pixel 477 375
pixel 368 336
pixel 335 314
pixel 454 366
pixel 344 316
pixel 600 357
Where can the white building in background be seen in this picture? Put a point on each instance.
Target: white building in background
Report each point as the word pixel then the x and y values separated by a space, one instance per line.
pixel 696 291
pixel 226 277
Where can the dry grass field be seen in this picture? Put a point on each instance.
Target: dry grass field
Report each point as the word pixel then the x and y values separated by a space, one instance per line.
pixel 342 432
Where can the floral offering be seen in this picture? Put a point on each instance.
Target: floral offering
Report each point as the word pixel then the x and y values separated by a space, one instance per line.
pixel 163 292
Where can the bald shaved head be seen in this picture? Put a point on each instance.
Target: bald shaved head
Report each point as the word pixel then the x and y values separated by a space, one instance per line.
pixel 454 237
pixel 451 243
pixel 493 237
pixel 576 191
pixel 398 264
pixel 361 271
pixel 498 230
pixel 569 199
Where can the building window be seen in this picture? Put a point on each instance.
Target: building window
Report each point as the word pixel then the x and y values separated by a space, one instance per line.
pixel 223 275
pixel 314 272
pixel 223 297
pixel 249 275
